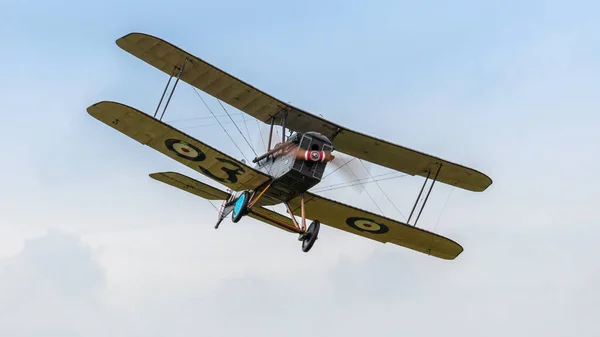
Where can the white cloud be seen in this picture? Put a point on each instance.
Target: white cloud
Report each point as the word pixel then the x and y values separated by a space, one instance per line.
pixel 56 287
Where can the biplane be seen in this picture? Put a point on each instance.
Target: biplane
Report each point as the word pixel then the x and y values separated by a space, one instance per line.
pixel 289 168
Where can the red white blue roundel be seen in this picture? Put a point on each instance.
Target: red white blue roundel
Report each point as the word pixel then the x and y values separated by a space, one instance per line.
pixel 185 150
pixel 314 156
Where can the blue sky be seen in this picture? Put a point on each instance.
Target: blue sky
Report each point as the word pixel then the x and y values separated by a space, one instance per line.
pixel 508 88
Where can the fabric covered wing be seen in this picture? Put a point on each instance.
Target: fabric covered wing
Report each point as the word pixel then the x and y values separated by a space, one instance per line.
pixel 190 185
pixel 214 81
pixel 409 161
pixel 178 146
pixel 375 227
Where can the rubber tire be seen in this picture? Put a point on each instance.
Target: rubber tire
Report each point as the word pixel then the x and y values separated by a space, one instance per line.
pixel 243 207
pixel 313 235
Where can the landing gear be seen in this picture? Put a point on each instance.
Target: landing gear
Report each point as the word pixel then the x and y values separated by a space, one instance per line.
pixel 244 203
pixel 309 237
pixel 240 207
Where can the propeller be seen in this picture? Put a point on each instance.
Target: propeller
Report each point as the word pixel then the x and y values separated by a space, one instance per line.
pixel 348 168
pixel 351 169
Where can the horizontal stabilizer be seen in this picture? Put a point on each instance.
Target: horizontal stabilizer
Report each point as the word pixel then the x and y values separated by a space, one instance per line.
pixel 205 191
pixel 190 185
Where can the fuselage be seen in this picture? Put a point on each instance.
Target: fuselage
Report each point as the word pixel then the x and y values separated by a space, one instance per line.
pixel 293 176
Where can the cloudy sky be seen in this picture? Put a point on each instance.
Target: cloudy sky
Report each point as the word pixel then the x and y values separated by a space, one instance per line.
pixel 91 246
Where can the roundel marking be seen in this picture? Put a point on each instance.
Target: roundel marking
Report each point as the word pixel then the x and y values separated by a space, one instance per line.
pixel 185 150
pixel 367 225
pixel 314 155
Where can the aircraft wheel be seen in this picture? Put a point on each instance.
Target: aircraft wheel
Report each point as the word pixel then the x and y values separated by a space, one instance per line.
pixel 241 207
pixel 311 236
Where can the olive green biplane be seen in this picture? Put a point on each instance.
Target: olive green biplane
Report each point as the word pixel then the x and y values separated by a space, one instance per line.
pixel 288 169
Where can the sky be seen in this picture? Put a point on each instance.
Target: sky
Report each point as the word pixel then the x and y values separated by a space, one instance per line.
pixel 91 246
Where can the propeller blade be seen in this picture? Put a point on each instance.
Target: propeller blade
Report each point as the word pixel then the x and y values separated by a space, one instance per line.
pixel 351 170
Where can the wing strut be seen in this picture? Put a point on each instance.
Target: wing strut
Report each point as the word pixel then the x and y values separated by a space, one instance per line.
pixel 278 146
pixel 426 197
pixel 418 197
pixel 175 68
pixel 271 134
pixel 284 117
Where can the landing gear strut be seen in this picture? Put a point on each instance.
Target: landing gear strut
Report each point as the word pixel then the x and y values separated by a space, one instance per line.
pixel 244 203
pixel 307 236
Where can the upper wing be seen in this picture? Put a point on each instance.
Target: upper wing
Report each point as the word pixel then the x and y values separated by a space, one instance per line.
pixel 409 161
pixel 214 81
pixel 177 145
pixel 202 75
pixel 375 227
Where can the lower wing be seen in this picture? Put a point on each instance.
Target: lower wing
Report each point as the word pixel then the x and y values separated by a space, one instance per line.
pixel 375 227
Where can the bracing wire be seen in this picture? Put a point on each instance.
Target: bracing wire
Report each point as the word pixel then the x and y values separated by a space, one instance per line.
pixel 339 167
pixel 262 139
pixel 215 207
pixel 354 183
pixel 369 194
pixel 204 125
pixel 443 209
pixel 197 118
pixel 248 131
pixel 381 189
pixel 241 133
pixel 209 109
pixel 363 180
pixel 440 216
pixel 212 113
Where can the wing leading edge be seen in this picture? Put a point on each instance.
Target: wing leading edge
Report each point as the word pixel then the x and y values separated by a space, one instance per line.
pixel 375 227
pixel 262 106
